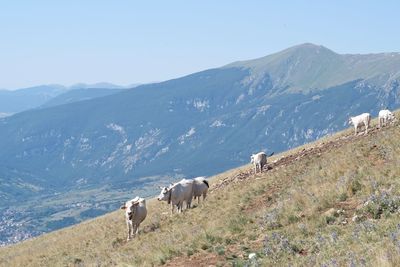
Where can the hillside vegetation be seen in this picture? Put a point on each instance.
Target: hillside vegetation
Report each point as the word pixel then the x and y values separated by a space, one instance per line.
pixel 332 202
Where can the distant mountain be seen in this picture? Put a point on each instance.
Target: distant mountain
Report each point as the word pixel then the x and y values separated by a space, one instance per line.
pixel 102 85
pixel 79 95
pixel 309 67
pixel 15 101
pixel 199 124
pixel 23 99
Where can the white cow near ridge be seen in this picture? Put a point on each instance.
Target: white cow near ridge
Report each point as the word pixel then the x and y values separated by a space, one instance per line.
pixel 200 188
pixel 360 120
pixel 259 160
pixel 178 193
pixel 135 213
pixel 385 116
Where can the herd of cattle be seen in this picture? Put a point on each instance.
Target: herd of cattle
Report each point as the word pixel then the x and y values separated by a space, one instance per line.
pixel 186 190
pixel 364 119
pixel 176 194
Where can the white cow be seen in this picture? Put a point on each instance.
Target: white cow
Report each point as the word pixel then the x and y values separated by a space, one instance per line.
pixel 178 193
pixel 360 120
pixel 259 160
pixel 385 116
pixel 135 213
pixel 200 188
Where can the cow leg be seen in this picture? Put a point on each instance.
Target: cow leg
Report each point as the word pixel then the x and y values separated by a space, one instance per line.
pixel 135 230
pixel 172 208
pixel 129 230
pixel 180 207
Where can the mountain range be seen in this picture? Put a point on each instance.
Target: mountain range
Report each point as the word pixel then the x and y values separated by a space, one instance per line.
pixel 78 160
pixel 14 101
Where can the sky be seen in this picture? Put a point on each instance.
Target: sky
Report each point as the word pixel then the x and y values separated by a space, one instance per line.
pixel 126 42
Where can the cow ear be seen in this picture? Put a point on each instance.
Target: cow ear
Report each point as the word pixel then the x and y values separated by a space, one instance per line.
pixel 123 207
pixel 160 187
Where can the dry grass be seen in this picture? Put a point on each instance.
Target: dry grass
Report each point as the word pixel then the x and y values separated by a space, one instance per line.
pixel 287 215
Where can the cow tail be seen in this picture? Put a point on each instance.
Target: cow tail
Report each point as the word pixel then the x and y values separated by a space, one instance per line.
pixel 205 181
pixel 271 154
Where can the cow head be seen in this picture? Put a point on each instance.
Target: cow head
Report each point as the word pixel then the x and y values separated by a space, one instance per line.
pixel 252 158
pixel 130 207
pixel 350 121
pixel 164 194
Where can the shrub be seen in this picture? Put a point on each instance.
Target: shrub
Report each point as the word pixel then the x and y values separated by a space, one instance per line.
pixel 343 196
pixel 330 219
pixel 276 245
pixel 293 219
pixel 354 187
pixel 220 250
pixel 381 204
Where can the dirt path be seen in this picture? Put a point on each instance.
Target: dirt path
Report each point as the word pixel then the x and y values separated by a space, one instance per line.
pixel 283 161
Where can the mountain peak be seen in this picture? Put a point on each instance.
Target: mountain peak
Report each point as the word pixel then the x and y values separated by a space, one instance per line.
pixel 306 67
pixel 309 47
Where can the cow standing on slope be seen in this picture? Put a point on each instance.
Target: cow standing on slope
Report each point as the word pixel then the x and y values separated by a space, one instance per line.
pixel 200 188
pixel 259 160
pixel 360 120
pixel 385 116
pixel 177 194
pixel 135 213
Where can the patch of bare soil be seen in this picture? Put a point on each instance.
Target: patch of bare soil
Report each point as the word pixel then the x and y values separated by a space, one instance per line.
pixel 283 161
pixel 198 259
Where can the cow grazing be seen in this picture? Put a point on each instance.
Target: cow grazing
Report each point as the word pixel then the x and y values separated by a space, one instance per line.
pixel 259 160
pixel 360 120
pixel 135 213
pixel 178 193
pixel 385 116
pixel 200 188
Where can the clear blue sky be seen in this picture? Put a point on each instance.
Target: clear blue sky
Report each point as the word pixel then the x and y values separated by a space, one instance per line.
pixel 124 42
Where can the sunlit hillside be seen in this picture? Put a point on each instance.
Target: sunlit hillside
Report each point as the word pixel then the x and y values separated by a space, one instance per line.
pixel 333 202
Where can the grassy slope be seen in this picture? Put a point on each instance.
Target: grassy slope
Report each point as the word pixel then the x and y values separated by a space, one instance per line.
pixel 286 215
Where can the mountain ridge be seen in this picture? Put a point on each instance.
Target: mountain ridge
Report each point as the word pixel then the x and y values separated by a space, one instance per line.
pixel 304 77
